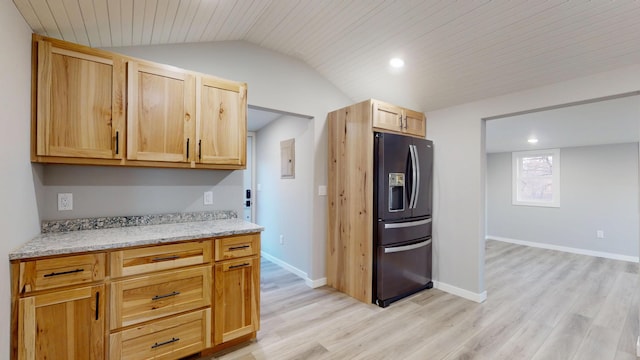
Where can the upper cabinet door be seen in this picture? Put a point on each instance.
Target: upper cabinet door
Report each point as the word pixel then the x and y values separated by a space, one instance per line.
pixel 387 116
pixel 222 122
pixel 160 110
pixel 415 123
pixel 79 101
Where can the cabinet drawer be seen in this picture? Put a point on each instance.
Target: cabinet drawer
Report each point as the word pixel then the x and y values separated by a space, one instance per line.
pixel 153 296
pixel 237 246
pixel 61 271
pixel 162 257
pixel 164 339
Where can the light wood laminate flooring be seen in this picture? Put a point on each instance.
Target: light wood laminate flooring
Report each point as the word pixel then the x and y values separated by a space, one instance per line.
pixel 541 304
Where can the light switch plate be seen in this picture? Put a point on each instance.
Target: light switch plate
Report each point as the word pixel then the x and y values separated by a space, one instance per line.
pixel 322 190
pixel 65 201
pixel 208 197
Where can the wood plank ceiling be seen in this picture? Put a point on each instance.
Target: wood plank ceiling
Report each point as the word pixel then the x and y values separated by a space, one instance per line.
pixel 455 51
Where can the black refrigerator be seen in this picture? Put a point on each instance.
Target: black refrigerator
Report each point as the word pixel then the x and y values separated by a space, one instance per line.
pixel 403 192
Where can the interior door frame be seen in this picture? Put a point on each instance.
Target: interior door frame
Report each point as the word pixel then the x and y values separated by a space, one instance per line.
pixel 252 135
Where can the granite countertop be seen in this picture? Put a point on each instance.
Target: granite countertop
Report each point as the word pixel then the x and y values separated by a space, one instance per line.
pixel 69 242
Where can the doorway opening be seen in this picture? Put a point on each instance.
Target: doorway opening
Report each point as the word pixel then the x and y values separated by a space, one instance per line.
pixel 598 144
pixel 282 203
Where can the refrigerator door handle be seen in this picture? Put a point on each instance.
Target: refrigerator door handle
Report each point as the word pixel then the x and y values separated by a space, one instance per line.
pixel 407 224
pixel 417 171
pixel 413 177
pixel 407 247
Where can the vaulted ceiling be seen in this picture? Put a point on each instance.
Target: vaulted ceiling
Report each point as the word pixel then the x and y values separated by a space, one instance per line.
pixel 455 51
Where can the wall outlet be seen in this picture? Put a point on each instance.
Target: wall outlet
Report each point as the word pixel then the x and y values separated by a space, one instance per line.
pixel 65 201
pixel 600 234
pixel 281 239
pixel 322 190
pixel 208 197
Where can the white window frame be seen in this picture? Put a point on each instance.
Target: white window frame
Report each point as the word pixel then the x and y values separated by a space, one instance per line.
pixel 555 177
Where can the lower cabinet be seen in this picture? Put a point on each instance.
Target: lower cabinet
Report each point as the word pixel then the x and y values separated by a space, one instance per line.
pixel 157 295
pixel 172 338
pixel 236 298
pixel 156 302
pixel 67 324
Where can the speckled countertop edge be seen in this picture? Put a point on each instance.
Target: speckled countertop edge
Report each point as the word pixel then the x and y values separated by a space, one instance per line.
pixel 48 244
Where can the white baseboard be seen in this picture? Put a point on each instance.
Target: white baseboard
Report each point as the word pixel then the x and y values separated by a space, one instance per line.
pixel 477 297
pixel 316 283
pixel 292 269
pixel 601 254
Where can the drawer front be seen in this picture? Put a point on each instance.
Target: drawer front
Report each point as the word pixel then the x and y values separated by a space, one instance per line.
pixel 61 271
pixel 237 246
pixel 162 257
pixel 172 338
pixel 150 297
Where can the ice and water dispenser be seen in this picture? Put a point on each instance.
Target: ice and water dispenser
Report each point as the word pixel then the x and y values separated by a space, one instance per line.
pixel 396 192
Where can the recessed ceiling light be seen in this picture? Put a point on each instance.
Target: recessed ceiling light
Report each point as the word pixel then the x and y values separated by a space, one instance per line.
pixel 396 63
pixel 532 140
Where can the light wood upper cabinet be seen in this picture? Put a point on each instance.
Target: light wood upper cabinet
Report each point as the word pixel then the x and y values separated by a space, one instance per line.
pixel 79 101
pixel 387 117
pixel 95 107
pixel 415 123
pixel 65 324
pixel 221 121
pixel 160 110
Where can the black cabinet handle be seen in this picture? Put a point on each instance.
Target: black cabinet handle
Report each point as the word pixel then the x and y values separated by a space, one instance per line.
pixel 158 297
pixel 117 142
pixel 187 149
pixel 97 305
pixel 238 266
pixel 199 149
pixel 156 345
pixel 238 247
pixel 64 272
pixel 166 258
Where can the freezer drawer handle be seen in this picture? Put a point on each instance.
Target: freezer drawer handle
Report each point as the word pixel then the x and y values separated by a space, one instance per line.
pixel 406 224
pixel 407 247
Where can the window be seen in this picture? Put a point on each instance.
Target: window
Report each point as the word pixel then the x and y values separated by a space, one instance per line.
pixel 536 178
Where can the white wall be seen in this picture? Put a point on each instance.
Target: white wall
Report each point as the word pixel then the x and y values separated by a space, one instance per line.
pixel 276 82
pixel 458 134
pixel 599 191
pixel 20 182
pixel 113 191
pixel 281 202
